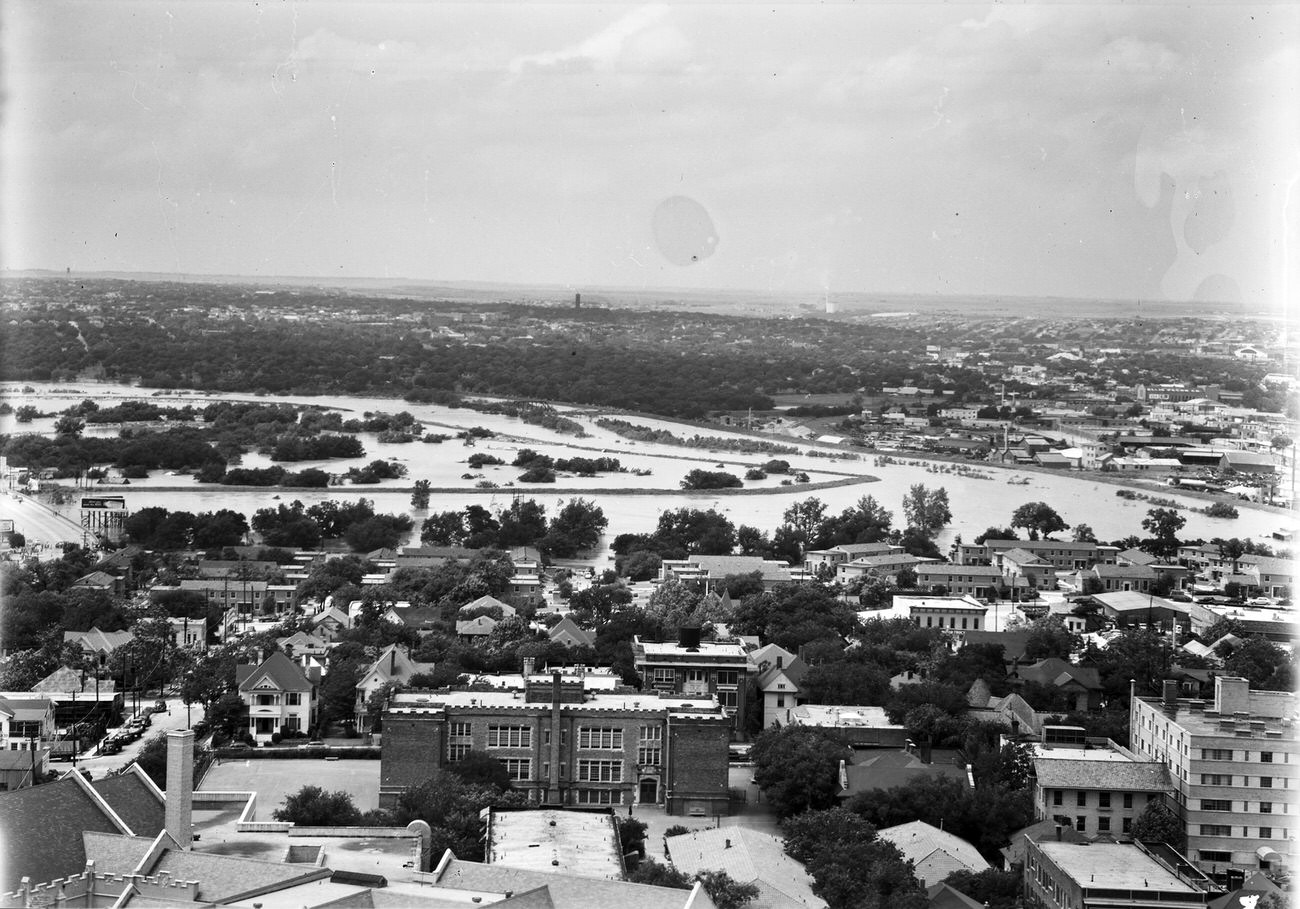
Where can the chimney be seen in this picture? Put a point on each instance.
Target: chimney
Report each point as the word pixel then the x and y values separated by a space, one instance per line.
pixel 925 755
pixel 529 663
pixel 780 661
pixel 1231 695
pixel 392 661
pixel 727 844
pixel 180 787
pixel 556 687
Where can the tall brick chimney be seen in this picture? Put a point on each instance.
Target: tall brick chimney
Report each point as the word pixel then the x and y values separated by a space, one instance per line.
pixel 180 787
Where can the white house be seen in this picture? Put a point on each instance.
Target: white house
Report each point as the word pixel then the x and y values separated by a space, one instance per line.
pixel 279 697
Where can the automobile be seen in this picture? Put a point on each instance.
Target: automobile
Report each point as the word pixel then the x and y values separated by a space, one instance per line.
pixel 159 706
pixel 1260 601
pixel 110 747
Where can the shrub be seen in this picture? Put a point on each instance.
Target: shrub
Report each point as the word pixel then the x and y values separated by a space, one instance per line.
pixel 276 738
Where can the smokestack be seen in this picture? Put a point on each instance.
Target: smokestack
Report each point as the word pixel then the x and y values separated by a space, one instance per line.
pixel 180 787
pixel 780 661
pixel 555 689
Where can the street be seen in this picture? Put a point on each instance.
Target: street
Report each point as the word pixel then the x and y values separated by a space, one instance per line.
pixel 102 766
pixel 42 527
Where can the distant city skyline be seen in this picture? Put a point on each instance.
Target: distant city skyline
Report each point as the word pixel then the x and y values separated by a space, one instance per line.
pixel 1104 151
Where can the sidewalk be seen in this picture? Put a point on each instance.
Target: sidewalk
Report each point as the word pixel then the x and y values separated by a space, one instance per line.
pixel 753 814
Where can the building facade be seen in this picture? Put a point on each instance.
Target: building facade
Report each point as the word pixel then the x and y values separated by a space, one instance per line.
pixel 696 669
pixel 565 745
pixel 1232 761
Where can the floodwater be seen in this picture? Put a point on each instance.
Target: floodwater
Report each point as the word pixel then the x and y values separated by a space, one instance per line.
pixel 632 503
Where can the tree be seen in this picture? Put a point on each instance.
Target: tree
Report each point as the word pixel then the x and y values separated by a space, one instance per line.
pixel 451 807
pixel 725 892
pixel 1266 665
pixel 631 834
pixel 1163 524
pixel 312 806
pixel 996 533
pixel 1048 637
pixel 798 767
pixel 1158 824
pixel 927 510
pixel 992 887
pixel 1084 534
pixel 867 521
pixel 421 495
pixel 850 865
pixel 478 768
pixel 1234 549
pixel 710 479
pixel 648 871
pixel 1039 518
pixel 577 527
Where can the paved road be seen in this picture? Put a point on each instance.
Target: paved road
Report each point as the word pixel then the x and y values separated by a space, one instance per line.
pixel 102 766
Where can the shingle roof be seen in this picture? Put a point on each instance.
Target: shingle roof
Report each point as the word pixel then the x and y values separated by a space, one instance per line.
pixel 1065 773
pixel 896 768
pixel 278 669
pixel 134 801
pixel 1013 642
pixel 1021 555
pixel 225 878
pixel 61 680
pixel 566 626
pixel 115 853
pixel 945 896
pixel 719 566
pixel 566 890
pixel 1141 572
pixel 488 600
pixel 479 625
pixel 41 827
pixel 918 840
pixel 1137 557
pixel 1056 671
pixel 747 856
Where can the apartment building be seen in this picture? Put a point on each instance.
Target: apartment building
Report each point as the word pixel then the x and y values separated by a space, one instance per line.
pixel 958 613
pixel 1101 793
pixel 566 745
pixel 1064 555
pixel 959 580
pixel 1232 761
pixel 695 668
pixel 1061 875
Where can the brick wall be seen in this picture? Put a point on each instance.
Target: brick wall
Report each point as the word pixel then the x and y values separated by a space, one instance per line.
pixel 412 752
pixel 697 766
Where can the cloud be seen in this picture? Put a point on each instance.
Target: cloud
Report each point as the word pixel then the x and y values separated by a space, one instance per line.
pixel 640 41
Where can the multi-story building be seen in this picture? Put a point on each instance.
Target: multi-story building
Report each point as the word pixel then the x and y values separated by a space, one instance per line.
pixel 1064 555
pixel 1062 875
pixel 711 570
pixel 695 668
pixel 566 745
pixel 1231 761
pixel 279 696
pixel 1102 793
pixel 884 565
pixel 847 552
pixel 958 613
pixel 959 580
pixel 779 674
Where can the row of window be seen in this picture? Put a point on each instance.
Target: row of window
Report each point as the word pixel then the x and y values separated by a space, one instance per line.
pixel 593 771
pixel 1225 779
pixel 1265 833
pixel 601 738
pixel 1226 805
pixel 929 623
pixel 291 698
pixel 1226 754
pixel 1103 824
pixel 668 676
pixel 1081 798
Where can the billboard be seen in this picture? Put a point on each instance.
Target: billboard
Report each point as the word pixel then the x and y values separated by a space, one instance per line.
pixel 111 502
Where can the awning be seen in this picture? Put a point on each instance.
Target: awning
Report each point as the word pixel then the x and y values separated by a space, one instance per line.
pixel 1268 854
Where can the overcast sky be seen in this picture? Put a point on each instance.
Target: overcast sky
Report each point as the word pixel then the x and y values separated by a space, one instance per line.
pixel 1092 150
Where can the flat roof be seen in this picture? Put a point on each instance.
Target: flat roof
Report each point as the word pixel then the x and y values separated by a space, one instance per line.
pixel 1267 707
pixel 573 842
pixel 844 717
pixel 706 648
pixel 1058 752
pixel 1112 866
pixel 650 702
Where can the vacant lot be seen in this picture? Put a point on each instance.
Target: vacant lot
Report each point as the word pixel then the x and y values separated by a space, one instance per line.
pixel 272 780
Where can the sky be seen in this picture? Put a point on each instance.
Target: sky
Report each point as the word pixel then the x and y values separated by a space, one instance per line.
pixel 1096 150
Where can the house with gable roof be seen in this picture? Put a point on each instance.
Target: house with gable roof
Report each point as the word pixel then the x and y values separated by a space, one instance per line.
pixel 476 629
pixel 279 696
pixel 393 665
pixel 780 674
pixel 934 853
pixel 488 602
pixel 95 641
pixel 571 634
pixel 748 857
pixel 330 623
pixel 1080 683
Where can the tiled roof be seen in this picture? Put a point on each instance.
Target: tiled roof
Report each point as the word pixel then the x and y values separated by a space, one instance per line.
pixel 918 840
pixel 279 670
pixel 115 853
pixel 41 827
pixel 747 856
pixel 568 891
pixel 134 801
pixel 1063 773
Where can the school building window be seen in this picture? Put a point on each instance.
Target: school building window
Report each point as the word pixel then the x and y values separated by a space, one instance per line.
pixel 600 771
pixel 510 737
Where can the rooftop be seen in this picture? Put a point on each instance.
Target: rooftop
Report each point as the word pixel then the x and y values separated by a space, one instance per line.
pixel 1112 866
pixel 420 701
pixel 576 842
pixel 1065 773
pixel 659 649
pixel 746 856
pixel 824 715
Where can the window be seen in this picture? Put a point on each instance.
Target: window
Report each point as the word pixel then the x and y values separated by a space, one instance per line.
pixel 1265 807
pixel 1103 799
pixel 663 677
pixel 1265 782
pixel 1216 779
pixel 509 737
pixel 1216 754
pixel 293 699
pixel 728 698
pixel 1266 757
pixel 1128 800
pixel 728 677
pixel 266 700
pixel 649 752
pixel 600 771
pixel 1216 830
pixel 1215 855
pixel 1058 797
pixel 518 768
pixel 603 737
pixel 598 797
pixel 1265 833
pixel 963 621
pixel 1082 824
pixel 1128 825
pixel 1103 825
pixel 459 741
pixel 1081 798
pixel 1216 804
pixel 780 700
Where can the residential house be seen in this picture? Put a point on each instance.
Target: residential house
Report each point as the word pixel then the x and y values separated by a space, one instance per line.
pixel 934 853
pixel 189 634
pixel 393 666
pixel 748 857
pixel 24 718
pixel 886 565
pixel 1079 685
pixel 711 570
pixel 279 697
pixel 97 643
pixel 779 674
pixel 102 581
pixel 302 643
pixel 1232 761
pixel 1274 577
pixel 877 768
pixel 330 623
pixel 569 633
pixel 489 602
pixel 475 629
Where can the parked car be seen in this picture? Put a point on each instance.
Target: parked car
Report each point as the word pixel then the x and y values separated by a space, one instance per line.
pixel 159 706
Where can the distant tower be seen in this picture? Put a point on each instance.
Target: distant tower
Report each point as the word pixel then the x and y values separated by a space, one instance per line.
pixel 830 307
pixel 577 301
